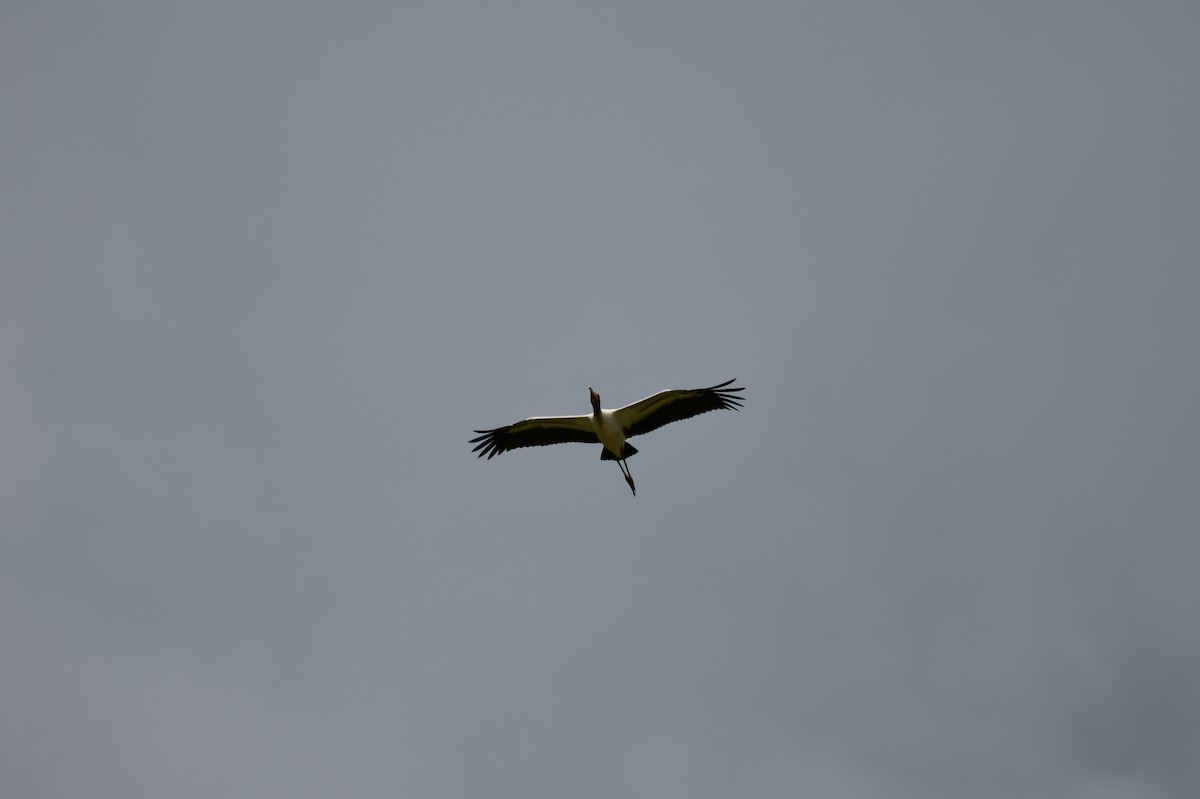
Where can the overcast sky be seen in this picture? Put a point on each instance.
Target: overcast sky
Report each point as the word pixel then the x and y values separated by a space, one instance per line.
pixel 265 265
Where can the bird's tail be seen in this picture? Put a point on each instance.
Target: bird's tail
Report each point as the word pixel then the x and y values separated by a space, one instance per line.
pixel 629 451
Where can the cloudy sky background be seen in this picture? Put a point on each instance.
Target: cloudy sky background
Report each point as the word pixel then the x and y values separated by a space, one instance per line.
pixel 265 265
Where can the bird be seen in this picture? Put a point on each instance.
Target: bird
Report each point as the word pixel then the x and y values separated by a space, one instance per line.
pixel 610 427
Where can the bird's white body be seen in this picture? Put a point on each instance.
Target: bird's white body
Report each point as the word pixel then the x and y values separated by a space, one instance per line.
pixel 609 430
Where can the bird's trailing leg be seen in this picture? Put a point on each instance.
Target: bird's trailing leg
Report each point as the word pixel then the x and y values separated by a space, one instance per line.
pixel 624 467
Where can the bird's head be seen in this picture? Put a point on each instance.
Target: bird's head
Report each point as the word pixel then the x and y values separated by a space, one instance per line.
pixel 595 400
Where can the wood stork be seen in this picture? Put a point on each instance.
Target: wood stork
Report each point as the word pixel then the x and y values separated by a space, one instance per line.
pixel 609 427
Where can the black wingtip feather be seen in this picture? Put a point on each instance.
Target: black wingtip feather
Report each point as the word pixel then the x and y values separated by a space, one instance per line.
pixel 725 395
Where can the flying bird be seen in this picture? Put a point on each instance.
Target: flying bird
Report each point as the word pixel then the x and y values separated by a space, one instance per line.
pixel 610 427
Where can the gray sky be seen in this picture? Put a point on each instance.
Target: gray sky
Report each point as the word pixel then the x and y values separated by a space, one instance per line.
pixel 265 265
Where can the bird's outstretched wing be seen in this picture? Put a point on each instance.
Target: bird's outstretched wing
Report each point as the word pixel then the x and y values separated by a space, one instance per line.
pixel 537 431
pixel 670 406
